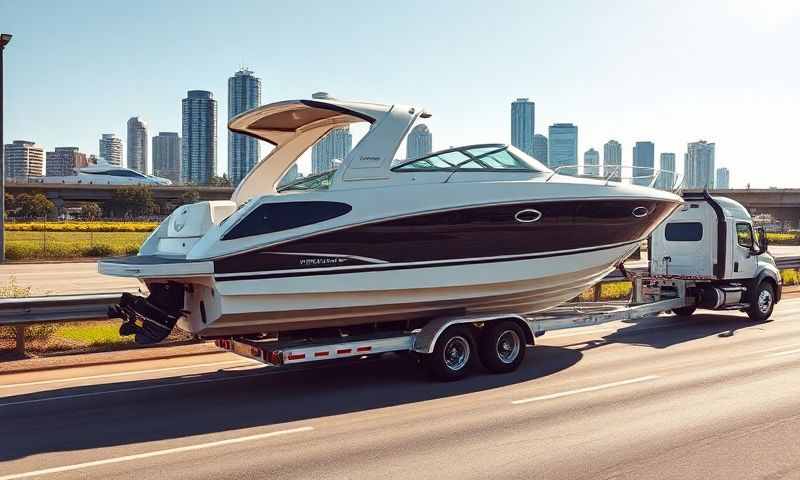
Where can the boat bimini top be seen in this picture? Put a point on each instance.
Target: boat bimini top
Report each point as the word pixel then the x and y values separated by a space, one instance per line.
pixel 295 125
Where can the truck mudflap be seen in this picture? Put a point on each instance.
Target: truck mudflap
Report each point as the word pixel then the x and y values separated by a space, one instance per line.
pixel 150 319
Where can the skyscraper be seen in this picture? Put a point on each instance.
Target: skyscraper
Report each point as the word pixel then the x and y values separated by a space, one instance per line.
pixel 333 146
pixel 591 163
pixel 137 144
pixel 540 148
pixel 290 176
pixel 244 93
pixel 419 142
pixel 563 147
pixel 62 161
pixel 111 149
pixel 612 160
pixel 23 159
pixel 699 165
pixel 167 156
pixel 523 119
pixel 199 142
pixel 723 178
pixel 643 162
pixel 666 177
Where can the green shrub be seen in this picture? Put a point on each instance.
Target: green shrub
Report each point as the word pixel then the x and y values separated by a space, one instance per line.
pixel 131 249
pixel 98 250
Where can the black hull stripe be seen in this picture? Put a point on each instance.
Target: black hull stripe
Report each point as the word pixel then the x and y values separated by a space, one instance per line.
pixel 417 266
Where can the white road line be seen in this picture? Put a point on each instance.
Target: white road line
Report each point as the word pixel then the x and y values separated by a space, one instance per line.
pixel 778 354
pixel 156 453
pixel 584 390
pixel 775 348
pixel 133 389
pixel 123 374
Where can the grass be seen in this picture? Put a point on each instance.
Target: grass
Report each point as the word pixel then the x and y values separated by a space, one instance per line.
pixel 25 245
pixel 92 334
pixel 56 226
pixel 790 276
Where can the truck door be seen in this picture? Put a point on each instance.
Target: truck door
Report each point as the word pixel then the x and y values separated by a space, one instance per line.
pixel 743 262
pixel 685 244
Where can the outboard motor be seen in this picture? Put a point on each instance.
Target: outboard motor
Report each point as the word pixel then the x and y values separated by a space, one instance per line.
pixel 150 319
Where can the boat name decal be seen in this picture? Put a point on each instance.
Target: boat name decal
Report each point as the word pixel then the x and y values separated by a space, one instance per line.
pixel 370 159
pixel 322 261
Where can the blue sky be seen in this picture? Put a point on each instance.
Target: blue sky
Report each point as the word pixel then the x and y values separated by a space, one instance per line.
pixel 670 72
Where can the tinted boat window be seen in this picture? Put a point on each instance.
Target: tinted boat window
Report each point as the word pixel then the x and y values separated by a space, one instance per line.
pixel 684 232
pixel 275 217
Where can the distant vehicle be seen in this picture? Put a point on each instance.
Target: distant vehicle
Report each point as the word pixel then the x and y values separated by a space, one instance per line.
pixel 105 174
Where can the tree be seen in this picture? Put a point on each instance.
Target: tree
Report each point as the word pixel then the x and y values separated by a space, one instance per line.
pixel 134 201
pixel 36 205
pixel 223 181
pixel 190 196
pixel 10 205
pixel 91 211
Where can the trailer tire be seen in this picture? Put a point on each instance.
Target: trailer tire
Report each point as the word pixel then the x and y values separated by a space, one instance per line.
pixel 684 311
pixel 762 302
pixel 502 346
pixel 452 355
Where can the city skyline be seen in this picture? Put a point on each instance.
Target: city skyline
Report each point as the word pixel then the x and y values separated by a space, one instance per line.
pixel 664 98
pixel 523 124
pixel 167 156
pixel 137 157
pixel 244 93
pixel 199 137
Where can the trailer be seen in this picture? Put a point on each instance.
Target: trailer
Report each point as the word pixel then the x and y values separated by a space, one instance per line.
pixel 706 255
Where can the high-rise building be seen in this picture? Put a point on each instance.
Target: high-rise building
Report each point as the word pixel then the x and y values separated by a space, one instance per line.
pixel 244 93
pixel 63 161
pixel 643 162
pixel 523 119
pixel 612 160
pixel 563 147
pixel 591 163
pixel 111 149
pixel 723 178
pixel 666 175
pixel 698 167
pixel 419 142
pixel 333 146
pixel 167 156
pixel 137 144
pixel 540 148
pixel 199 142
pixel 23 159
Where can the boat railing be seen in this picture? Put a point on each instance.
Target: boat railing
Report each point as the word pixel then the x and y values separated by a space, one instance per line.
pixel 654 178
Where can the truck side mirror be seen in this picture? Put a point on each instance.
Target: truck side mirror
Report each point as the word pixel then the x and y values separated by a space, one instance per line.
pixel 763 243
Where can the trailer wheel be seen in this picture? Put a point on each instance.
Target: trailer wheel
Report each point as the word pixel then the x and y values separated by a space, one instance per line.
pixel 684 311
pixel 502 346
pixel 762 302
pixel 452 355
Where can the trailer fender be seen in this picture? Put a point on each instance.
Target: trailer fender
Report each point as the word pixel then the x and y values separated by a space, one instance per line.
pixel 425 340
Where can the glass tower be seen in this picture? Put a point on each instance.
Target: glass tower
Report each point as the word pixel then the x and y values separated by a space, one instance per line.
pixel 523 116
pixel 199 145
pixel 244 93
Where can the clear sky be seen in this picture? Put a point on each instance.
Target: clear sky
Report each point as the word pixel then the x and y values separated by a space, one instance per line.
pixel 666 71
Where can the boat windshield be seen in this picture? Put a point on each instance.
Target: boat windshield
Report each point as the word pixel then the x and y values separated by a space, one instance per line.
pixel 321 181
pixel 485 157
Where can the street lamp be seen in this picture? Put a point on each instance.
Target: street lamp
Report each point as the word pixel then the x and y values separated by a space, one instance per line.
pixel 4 39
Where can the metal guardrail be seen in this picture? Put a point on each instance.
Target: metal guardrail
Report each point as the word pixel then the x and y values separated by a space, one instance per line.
pixel 21 312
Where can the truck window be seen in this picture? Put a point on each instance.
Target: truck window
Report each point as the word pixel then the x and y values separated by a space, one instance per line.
pixel 684 232
pixel 744 235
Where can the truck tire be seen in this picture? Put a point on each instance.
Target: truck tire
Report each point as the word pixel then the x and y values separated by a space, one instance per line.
pixel 502 346
pixel 452 355
pixel 762 302
pixel 684 311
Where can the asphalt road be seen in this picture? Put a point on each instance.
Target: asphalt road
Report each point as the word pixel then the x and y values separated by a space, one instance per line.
pixel 82 276
pixel 714 397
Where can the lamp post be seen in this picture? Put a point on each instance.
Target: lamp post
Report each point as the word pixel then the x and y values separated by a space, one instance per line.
pixel 4 39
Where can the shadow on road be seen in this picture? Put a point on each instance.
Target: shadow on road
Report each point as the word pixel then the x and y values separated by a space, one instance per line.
pixel 95 421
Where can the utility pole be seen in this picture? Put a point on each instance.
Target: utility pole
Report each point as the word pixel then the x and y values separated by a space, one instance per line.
pixel 4 39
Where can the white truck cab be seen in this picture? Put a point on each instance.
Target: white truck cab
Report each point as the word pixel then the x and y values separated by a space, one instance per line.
pixel 712 239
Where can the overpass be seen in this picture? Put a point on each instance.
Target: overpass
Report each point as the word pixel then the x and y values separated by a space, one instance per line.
pixel 781 203
pixel 166 196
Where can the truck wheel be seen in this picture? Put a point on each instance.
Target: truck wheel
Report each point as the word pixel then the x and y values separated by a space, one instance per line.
pixel 762 302
pixel 684 311
pixel 502 346
pixel 452 355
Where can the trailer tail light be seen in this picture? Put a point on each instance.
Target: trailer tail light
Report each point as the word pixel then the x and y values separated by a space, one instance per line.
pixel 363 349
pixel 322 354
pixel 296 356
pixel 344 351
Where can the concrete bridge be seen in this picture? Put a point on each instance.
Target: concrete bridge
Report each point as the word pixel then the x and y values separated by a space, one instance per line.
pixel 781 203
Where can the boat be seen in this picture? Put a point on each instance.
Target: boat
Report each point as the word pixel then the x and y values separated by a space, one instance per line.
pixel 102 173
pixel 476 229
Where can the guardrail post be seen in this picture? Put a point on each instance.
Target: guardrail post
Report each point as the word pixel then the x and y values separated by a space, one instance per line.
pixel 20 334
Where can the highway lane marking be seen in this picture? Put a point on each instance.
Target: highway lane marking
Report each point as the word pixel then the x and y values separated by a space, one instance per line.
pixel 127 373
pixel 585 390
pixel 775 348
pixel 778 354
pixel 156 453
